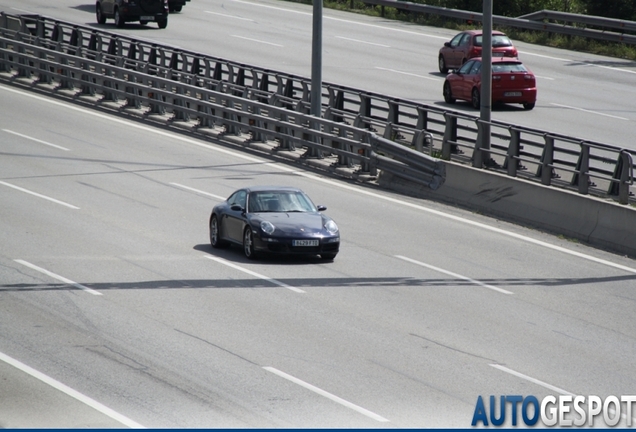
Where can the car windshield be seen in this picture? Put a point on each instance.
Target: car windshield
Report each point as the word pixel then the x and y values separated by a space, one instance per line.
pixel 497 41
pixel 279 201
pixel 509 67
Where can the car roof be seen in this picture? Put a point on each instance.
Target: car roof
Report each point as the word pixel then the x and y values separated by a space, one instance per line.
pixel 500 60
pixel 259 188
pixel 478 32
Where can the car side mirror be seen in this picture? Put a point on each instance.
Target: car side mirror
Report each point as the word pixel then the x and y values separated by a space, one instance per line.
pixel 236 207
pixel 321 208
pixel 447 44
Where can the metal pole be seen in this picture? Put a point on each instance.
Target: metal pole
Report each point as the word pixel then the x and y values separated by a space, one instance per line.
pixel 316 70
pixel 486 83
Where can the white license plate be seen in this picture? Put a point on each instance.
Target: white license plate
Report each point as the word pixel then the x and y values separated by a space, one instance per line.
pixel 147 18
pixel 304 242
pixel 497 54
pixel 512 94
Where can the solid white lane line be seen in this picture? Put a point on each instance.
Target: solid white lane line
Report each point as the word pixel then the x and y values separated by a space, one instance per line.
pixel 455 275
pixel 588 111
pixel 69 391
pixel 199 191
pixel 58 277
pixel 333 183
pixel 229 16
pixel 39 195
pixel 363 42
pixel 326 394
pixel 257 40
pixel 532 380
pixel 250 272
pixel 409 74
pixel 36 140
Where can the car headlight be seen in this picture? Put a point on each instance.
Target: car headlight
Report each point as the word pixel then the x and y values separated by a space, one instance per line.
pixel 268 227
pixel 331 227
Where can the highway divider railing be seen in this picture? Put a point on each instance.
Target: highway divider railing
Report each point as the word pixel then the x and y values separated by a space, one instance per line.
pixel 575 164
pixel 165 100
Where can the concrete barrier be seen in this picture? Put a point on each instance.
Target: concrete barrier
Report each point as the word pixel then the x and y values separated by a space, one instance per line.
pixel 600 223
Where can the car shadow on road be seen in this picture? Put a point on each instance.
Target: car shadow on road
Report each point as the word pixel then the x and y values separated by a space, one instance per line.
pixel 235 255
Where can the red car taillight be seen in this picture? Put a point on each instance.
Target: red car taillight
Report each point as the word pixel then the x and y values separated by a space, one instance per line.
pixel 475 52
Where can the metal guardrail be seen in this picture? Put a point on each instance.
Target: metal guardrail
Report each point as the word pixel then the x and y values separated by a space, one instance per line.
pixel 166 100
pixel 529 22
pixel 576 164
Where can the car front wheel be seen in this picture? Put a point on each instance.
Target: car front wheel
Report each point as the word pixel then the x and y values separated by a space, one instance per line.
pixel 101 19
pixel 441 63
pixel 475 99
pixel 448 94
pixel 248 244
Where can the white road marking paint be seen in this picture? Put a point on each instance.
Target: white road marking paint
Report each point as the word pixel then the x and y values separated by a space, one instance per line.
pixel 588 111
pixel 35 139
pixel 70 392
pixel 58 277
pixel 39 195
pixel 363 42
pixel 258 275
pixel 455 275
pixel 532 380
pixel 326 394
pixel 199 191
pixel 257 40
pixel 408 73
pixel 343 20
pixel 333 183
pixel 545 78
pixel 230 16
pixel 543 384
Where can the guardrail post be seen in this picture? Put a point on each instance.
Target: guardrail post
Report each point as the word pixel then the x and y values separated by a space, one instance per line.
pixel 513 162
pixel 422 118
pixel 450 136
pixel 623 177
pixel 581 177
pixel 545 170
pixel 365 110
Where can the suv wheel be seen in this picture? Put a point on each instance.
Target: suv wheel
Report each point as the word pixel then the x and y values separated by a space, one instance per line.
pixel 162 23
pixel 119 21
pixel 101 19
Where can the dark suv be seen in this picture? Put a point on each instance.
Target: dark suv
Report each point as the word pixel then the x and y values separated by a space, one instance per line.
pixel 123 11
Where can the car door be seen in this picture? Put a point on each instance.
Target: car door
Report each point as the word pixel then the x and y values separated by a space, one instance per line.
pixel 234 218
pixel 465 83
pixel 460 52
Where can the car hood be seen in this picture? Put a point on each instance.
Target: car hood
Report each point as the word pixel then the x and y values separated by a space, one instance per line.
pixel 294 223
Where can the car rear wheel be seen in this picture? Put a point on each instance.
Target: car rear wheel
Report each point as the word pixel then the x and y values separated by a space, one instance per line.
pixel 101 19
pixel 441 63
pixel 119 21
pixel 248 244
pixel 475 99
pixel 163 23
pixel 448 94
pixel 215 234
pixel 528 106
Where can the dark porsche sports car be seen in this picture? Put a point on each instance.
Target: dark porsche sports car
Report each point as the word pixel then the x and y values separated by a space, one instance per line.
pixel 274 219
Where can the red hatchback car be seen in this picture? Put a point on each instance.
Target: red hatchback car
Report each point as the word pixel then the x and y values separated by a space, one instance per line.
pixel 467 45
pixel 512 82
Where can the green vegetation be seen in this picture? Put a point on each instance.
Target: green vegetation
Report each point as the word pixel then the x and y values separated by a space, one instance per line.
pixel 620 9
